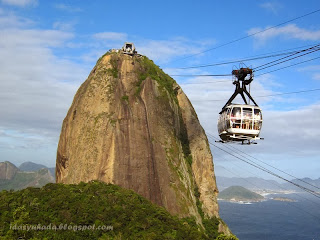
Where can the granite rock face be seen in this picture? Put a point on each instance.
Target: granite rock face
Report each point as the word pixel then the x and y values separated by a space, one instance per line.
pixel 130 124
pixel 7 171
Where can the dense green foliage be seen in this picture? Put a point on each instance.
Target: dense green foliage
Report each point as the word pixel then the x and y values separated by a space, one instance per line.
pixel 131 216
pixel 95 203
pixel 239 193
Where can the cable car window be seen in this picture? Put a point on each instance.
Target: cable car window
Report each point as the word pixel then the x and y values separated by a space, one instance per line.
pixel 228 118
pixel 236 112
pixel 236 117
pixel 257 114
pixel 257 119
pixel 228 112
pixel 247 118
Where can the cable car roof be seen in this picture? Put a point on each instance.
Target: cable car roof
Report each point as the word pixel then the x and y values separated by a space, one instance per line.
pixel 242 105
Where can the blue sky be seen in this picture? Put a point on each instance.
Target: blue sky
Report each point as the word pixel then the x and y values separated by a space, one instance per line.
pixel 47 49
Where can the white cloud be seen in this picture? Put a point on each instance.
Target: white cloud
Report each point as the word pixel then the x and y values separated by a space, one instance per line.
pixel 290 31
pixel 67 8
pixel 20 3
pixel 273 7
pixel 33 37
pixel 36 86
pixel 292 132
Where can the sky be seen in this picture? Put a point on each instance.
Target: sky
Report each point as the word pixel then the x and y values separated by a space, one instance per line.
pixel 48 48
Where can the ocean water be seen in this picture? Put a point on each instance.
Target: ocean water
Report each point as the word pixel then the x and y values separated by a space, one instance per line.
pixel 274 220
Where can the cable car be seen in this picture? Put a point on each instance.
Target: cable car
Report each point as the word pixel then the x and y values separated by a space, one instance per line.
pixel 240 122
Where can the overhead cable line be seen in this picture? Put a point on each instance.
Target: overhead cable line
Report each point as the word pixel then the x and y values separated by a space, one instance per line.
pixel 292 56
pixel 200 75
pixel 276 62
pixel 270 95
pixel 235 61
pixel 257 57
pixel 287 93
pixel 223 75
pixel 301 180
pixel 287 66
pixel 250 35
pixel 203 82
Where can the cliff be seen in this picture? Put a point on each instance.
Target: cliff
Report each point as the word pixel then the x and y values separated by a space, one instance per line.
pixel 7 171
pixel 130 124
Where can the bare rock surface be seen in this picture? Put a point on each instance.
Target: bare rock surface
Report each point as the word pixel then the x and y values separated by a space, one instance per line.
pixel 7 171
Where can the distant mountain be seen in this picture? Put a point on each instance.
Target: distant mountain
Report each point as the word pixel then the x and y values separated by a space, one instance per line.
pixel 31 167
pixel 307 182
pixel 14 178
pixel 238 193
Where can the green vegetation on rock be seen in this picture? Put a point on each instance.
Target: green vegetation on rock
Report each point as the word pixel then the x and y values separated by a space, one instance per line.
pixel 125 98
pixel 149 69
pixel 113 71
pixel 238 193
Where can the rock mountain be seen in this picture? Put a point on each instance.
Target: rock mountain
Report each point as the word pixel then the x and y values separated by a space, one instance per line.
pixel 130 124
pixel 15 178
pixel 7 170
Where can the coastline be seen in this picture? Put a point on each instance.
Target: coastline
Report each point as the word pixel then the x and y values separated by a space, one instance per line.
pixel 267 196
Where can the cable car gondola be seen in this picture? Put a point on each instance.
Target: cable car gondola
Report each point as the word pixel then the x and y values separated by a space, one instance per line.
pixel 240 122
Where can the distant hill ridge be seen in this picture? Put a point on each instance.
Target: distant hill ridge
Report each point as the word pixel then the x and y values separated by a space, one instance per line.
pixel 27 175
pixel 255 183
pixel 31 166
pixel 238 193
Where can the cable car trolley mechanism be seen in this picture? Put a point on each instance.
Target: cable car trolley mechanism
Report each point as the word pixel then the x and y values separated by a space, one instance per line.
pixel 240 122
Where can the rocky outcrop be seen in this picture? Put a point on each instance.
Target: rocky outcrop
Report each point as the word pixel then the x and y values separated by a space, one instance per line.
pixel 7 171
pixel 14 178
pixel 131 124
